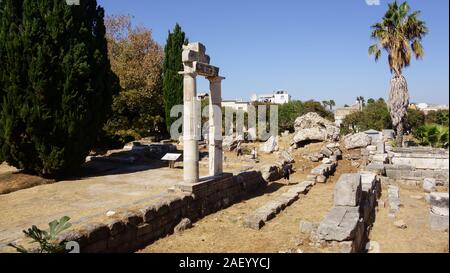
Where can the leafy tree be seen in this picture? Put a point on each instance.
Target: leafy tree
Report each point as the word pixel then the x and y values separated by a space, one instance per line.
pixel 56 82
pixel 172 81
pixel 439 117
pixel 400 33
pixel 415 119
pixel 374 116
pixel 137 60
pixel 369 101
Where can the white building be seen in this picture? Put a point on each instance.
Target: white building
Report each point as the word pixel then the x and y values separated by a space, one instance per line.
pixel 236 105
pixel 277 97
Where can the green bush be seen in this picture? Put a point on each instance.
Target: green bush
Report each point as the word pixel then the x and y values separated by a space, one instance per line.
pixel 415 119
pixel 56 83
pixel 288 112
pixel 438 117
pixel 434 135
pixel 375 115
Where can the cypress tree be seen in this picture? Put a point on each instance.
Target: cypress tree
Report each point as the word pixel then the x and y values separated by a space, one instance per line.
pixel 57 83
pixel 172 81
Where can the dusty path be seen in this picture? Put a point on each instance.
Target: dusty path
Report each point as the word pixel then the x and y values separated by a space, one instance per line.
pixel 224 231
pixel 417 237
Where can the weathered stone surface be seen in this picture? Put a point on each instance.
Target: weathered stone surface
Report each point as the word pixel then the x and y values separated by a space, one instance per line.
pixel 393 199
pixel 184 224
pixel 372 148
pixel 286 157
pixel 429 184
pixel 307 227
pixel 381 147
pixel 340 224
pixel 229 143
pixel 380 158
pixel 359 140
pixel 326 151
pixel 312 127
pixel 376 168
pixel 421 158
pixel 439 203
pixel 321 179
pixel 327 161
pixel 347 191
pixel 368 180
pixel 439 199
pixel 439 222
pixel 270 146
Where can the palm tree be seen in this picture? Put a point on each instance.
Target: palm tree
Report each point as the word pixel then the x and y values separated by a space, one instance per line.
pixel 361 102
pixel 332 104
pixel 400 33
pixel 325 103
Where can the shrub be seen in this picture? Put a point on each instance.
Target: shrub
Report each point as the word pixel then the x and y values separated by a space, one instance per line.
pixel 434 135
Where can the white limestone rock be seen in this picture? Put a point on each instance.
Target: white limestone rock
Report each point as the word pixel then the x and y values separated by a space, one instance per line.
pixel 359 140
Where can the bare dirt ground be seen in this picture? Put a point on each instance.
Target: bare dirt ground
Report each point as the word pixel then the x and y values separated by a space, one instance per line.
pixel 417 237
pixel 12 180
pixel 87 199
pixel 224 231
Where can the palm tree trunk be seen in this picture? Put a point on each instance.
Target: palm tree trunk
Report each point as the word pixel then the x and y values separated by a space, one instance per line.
pixel 398 105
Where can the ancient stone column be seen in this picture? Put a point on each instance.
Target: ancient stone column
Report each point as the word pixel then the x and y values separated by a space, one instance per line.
pixel 190 130
pixel 215 126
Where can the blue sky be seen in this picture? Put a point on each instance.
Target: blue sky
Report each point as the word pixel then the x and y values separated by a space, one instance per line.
pixel 313 49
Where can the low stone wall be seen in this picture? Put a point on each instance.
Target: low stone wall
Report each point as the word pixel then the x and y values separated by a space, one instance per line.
pixel 350 220
pixel 139 228
pixel 421 158
pixel 409 173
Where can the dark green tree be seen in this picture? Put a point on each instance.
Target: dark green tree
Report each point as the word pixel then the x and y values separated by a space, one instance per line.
pixel 172 81
pixel 56 83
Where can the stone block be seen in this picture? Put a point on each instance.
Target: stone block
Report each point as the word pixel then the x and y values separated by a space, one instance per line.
pixel 307 227
pixel 429 184
pixel 340 224
pixel 321 179
pixel 347 191
pixel 439 203
pixel 376 168
pixel 439 222
pixel 326 151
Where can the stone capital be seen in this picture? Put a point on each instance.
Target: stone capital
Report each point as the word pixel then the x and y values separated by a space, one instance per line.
pixel 215 78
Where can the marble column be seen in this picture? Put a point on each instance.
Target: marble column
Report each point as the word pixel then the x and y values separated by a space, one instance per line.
pixel 215 126
pixel 190 138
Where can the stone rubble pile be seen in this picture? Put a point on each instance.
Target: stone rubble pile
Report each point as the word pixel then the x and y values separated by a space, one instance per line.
pixel 350 220
pixel 313 127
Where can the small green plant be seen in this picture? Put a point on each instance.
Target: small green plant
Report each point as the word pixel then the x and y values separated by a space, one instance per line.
pixel 47 240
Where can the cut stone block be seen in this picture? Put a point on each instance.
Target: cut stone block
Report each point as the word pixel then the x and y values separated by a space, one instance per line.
pixel 377 168
pixel 393 199
pixel 429 184
pixel 439 222
pixel 347 191
pixel 439 203
pixel 340 224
